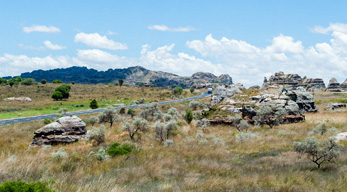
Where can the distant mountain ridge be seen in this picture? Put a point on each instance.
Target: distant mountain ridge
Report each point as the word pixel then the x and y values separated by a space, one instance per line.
pixel 131 76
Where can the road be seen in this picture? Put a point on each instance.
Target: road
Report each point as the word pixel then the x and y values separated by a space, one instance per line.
pixel 51 116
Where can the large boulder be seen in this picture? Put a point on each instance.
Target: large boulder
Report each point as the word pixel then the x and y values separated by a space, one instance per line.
pixel 304 100
pixel 343 85
pixel 313 84
pixel 222 93
pixel 22 99
pixel 333 86
pixel 341 137
pixel 67 129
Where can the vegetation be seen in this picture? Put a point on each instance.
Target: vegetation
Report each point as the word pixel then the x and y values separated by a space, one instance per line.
pixel 61 92
pixel 97 135
pixel 43 81
pixel 120 82
pixel 117 149
pixel 188 116
pixel 109 115
pixel 131 112
pixel 177 91
pixel 192 90
pixel 19 186
pixel 135 129
pixel 57 81
pixel 28 81
pixel 93 104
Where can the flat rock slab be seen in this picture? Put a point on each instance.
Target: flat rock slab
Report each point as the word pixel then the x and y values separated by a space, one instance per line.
pixel 22 99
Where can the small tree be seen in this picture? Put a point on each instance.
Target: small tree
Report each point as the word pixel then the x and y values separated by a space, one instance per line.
pixel 61 92
pixel 43 81
pixel 192 90
pixel 120 82
pixel 270 116
pixel 122 110
pixel 93 104
pixel 109 115
pixel 139 125
pixel 73 82
pixel 160 130
pixel 318 154
pixel 188 116
pixel 28 81
pixel 97 135
pixel 131 112
pixel 93 120
pixel 151 112
pixel 57 95
pixel 177 90
pixel 57 81
pixel 3 81
pixel 11 82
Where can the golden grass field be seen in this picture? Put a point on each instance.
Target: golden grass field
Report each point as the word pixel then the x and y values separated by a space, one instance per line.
pixel 263 163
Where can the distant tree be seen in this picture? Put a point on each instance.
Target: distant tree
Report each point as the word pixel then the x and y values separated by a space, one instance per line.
pixel 131 112
pixel 57 81
pixel 317 153
pixel 109 115
pixel 3 81
pixel 177 90
pixel 57 95
pixel 61 92
pixel 18 80
pixel 93 104
pixel 73 82
pixel 43 81
pixel 120 82
pixel 192 90
pixel 122 110
pixel 28 81
pixel 11 82
pixel 188 116
pixel 116 83
pixel 136 128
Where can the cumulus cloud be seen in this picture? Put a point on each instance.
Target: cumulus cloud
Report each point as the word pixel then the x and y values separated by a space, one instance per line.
pixel 50 45
pixel 335 27
pixel 98 41
pixel 166 28
pixel 41 28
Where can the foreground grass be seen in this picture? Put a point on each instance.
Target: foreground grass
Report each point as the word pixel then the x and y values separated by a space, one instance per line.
pixel 263 163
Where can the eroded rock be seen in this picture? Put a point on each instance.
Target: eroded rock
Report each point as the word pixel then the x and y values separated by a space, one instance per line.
pixel 22 99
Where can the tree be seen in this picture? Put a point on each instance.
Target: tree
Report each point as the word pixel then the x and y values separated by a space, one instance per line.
pixel 57 95
pixel 120 82
pixel 131 112
pixel 73 82
pixel 139 125
pixel 93 104
pixel 28 81
pixel 43 81
pixel 93 120
pixel 97 135
pixel 177 90
pixel 109 115
pixel 3 81
pixel 11 82
pixel 151 112
pixel 317 153
pixel 64 90
pixel 188 116
pixel 192 90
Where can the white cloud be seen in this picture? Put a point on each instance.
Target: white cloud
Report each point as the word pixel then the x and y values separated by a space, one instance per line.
pixel 52 46
pixel 30 47
pixel 98 41
pixel 166 28
pixel 337 27
pixel 111 33
pixel 41 28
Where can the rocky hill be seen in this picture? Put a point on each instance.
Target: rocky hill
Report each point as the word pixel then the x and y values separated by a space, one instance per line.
pixel 132 76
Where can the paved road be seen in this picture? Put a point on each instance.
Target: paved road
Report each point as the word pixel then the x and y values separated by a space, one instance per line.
pixel 51 116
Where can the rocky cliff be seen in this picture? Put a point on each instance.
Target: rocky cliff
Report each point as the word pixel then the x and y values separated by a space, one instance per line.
pixel 131 76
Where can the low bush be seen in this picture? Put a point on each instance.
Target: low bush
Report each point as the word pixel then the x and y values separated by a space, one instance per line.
pixel 19 186
pixel 118 149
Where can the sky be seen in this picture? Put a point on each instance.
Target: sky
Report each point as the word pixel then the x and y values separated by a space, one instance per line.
pixel 248 39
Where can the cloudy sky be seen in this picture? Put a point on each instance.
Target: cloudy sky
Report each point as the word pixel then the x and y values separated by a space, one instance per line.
pixel 246 39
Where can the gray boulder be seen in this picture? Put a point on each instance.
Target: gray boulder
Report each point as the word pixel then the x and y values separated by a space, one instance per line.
pixel 222 93
pixel 22 99
pixel 64 130
pixel 336 105
pixel 254 87
pixel 343 85
pixel 304 100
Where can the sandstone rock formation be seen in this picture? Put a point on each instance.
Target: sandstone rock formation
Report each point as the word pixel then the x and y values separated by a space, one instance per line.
pixel 64 130
pixel 313 84
pixel 222 93
pixel 254 87
pixel 304 100
pixel 343 85
pixel 22 99
pixel 333 86
pixel 334 106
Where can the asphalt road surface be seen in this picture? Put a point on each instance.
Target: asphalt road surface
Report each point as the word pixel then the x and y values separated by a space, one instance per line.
pixel 51 116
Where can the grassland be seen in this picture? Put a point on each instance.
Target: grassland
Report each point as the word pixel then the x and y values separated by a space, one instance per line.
pixel 80 98
pixel 265 162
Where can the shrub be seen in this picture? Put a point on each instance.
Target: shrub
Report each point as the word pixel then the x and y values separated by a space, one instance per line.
pixel 73 82
pixel 167 117
pixel 3 81
pixel 43 81
pixel 62 112
pixel 194 105
pixel 47 121
pixel 122 110
pixel 60 154
pixel 101 154
pixel 57 81
pixel 267 115
pixel 160 130
pixel 93 120
pixel 109 115
pixel 173 112
pixel 131 112
pixel 97 135
pixel 61 92
pixel 120 82
pixel 317 153
pixel 202 123
pixel 19 186
pixel 139 125
pixel 151 112
pixel 93 104
pixel 177 91
pixel 192 90
pixel 117 149
pixel 169 143
pixel 57 95
pixel 28 81
pixel 245 136
pixel 188 116
pixel 320 129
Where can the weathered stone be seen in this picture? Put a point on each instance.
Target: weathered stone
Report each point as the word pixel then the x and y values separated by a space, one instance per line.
pixel 341 137
pixel 254 87
pixel 248 112
pixel 64 130
pixel 304 100
pixel 221 93
pixel 336 105
pixel 333 86
pixel 313 84
pixel 343 85
pixel 239 86
pixel 22 99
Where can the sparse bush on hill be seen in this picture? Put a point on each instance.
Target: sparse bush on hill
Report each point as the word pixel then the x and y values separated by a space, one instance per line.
pixel 131 112
pixel 188 116
pixel 195 105
pixel 97 135
pixel 203 123
pixel 192 90
pixel 28 81
pixel 60 154
pixel 151 112
pixel 177 91
pixel 93 120
pixel 122 110
pixel 3 81
pixel 318 153
pixel 57 81
pixel 47 121
pixel 267 115
pixel 19 186
pixel 109 115
pixel 62 112
pixel 120 82
pixel 93 104
pixel 117 149
pixel 43 81
pixel 61 92
pixel 173 111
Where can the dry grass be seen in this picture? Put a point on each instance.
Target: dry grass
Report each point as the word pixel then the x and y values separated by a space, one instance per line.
pixel 264 163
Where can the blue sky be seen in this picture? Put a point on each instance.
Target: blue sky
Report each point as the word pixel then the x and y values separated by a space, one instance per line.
pixel 245 39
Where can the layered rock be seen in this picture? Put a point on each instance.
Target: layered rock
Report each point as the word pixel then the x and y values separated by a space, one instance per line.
pixel 222 93
pixel 22 99
pixel 343 85
pixel 333 86
pixel 313 84
pixel 64 130
pixel 254 87
pixel 304 100
pixel 334 106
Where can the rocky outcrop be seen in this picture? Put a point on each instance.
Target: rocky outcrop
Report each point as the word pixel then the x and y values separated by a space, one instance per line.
pixel 333 86
pixel 22 99
pixel 334 106
pixel 343 85
pixel 222 93
pixel 341 137
pixel 304 100
pixel 294 82
pixel 254 87
pixel 62 131
pixel 131 76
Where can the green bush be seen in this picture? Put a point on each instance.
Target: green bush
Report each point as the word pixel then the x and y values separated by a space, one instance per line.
pixel 192 90
pixel 122 110
pixel 118 149
pixel 28 81
pixel 19 186
pixel 73 82
pixel 177 90
pixel 131 112
pixel 47 121
pixel 57 81
pixel 120 82
pixel 188 116
pixel 62 92
pixel 43 81
pixel 3 81
pixel 93 104
pixel 57 95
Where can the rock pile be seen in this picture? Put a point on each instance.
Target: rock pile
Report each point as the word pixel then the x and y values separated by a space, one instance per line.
pixel 343 85
pixel 64 130
pixel 22 99
pixel 223 93
pixel 334 106
pixel 313 84
pixel 333 86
